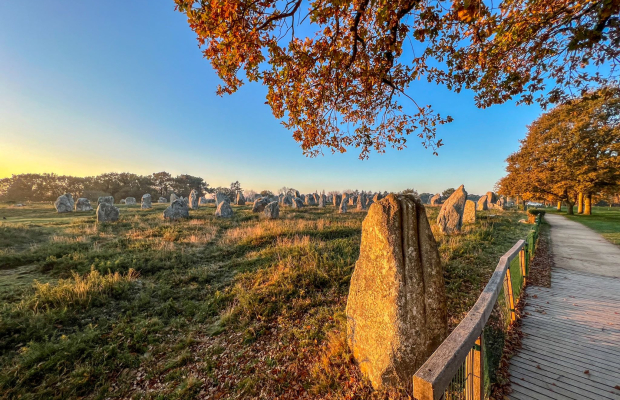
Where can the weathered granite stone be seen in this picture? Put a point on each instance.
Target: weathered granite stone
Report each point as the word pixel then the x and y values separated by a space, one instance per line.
pixel 220 197
pixel 361 202
pixel 396 309
pixel 337 200
pixel 202 200
pixel 353 200
pixel 469 215
pixel 272 210
pixel 377 197
pixel 450 217
pixel 64 203
pixel 146 202
pixel 297 194
pixel 342 209
pixel 105 199
pixel 130 201
pixel 260 204
pixel 162 200
pixel 297 203
pixel 107 213
pixel 482 204
pixel 173 197
pixel 176 210
pixel 491 198
pixel 240 200
pixel 82 205
pixel 322 201
pixel 287 200
pixel 310 200
pixel 122 201
pixel 436 200
pixel 193 200
pixel 224 210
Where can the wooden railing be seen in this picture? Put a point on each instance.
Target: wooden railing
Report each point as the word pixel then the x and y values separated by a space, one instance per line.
pixel 457 370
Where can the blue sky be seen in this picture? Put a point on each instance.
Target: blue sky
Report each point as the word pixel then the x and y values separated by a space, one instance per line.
pixel 92 87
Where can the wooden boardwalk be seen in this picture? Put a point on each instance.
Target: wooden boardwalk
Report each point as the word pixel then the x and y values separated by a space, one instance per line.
pixel 571 343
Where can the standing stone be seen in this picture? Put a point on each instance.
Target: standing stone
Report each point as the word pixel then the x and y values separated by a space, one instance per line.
pixel 193 200
pixel 130 201
pixel 377 197
pixel 337 200
pixel 272 210
pixel 303 198
pixel 220 197
pixel 240 201
pixel 310 200
pixel 361 202
pixel 173 197
pixel 322 200
pixel 287 201
pixel 224 210
pixel 202 200
pixel 482 204
pixel 436 200
pixel 64 203
pixel 396 309
pixel 122 201
pixel 105 199
pixel 343 206
pixel 260 204
pixel 146 201
pixel 162 200
pixel 352 200
pixel 107 213
pixel 491 198
pixel 82 204
pixel 176 210
pixel 469 215
pixel 297 203
pixel 297 194
pixel 450 217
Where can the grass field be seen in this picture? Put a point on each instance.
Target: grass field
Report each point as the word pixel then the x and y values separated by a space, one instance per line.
pixel 603 220
pixel 202 308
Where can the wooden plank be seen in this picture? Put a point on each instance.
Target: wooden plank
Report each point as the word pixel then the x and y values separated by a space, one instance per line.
pixel 610 373
pixel 566 381
pixel 520 378
pixel 542 346
pixel 608 347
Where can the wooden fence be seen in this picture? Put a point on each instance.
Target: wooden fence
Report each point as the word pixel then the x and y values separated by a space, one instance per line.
pixel 460 367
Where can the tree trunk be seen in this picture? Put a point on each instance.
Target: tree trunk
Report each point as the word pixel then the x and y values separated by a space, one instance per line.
pixel 569 207
pixel 587 210
pixel 524 206
pixel 580 203
pixel 559 205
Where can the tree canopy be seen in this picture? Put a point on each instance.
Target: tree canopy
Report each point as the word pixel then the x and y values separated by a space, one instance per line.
pixel 338 72
pixel 574 148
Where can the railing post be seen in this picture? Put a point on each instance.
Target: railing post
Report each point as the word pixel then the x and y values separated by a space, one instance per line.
pixel 511 300
pixel 474 388
pixel 523 261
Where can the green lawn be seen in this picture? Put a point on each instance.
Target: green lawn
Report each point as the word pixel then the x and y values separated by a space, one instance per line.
pixel 222 308
pixel 603 220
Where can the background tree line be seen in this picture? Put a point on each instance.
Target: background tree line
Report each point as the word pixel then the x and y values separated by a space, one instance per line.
pixel 47 187
pixel 570 154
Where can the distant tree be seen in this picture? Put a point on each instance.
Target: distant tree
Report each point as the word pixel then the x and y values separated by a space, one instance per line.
pixel 410 191
pixel 162 182
pixel 447 193
pixel 235 187
pixel 184 184
pixel 572 149
pixel 249 194
pixel 266 193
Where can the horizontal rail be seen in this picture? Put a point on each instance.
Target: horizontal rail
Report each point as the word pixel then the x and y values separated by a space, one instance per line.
pixel 431 380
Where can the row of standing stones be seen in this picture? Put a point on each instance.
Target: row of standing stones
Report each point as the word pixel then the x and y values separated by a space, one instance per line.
pixel 455 211
pixel 396 309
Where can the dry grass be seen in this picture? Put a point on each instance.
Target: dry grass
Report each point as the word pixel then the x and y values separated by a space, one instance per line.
pixel 79 290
